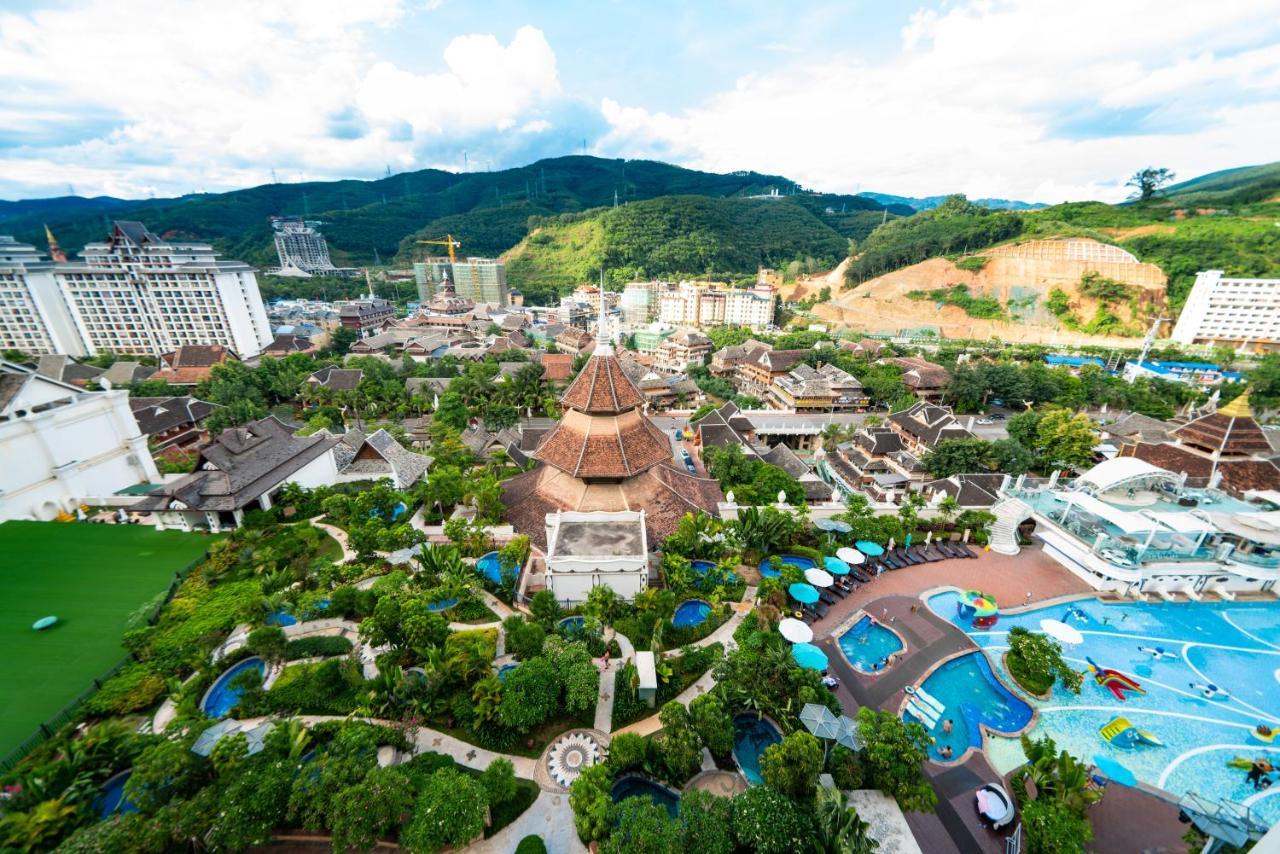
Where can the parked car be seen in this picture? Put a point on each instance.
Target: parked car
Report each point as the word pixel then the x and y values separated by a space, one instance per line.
pixel 985 421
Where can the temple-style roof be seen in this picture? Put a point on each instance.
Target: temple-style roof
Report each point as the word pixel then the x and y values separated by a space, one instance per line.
pixel 1231 430
pixel 604 446
pixel 603 388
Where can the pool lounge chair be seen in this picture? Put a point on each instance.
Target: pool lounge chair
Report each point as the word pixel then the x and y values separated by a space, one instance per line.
pixel 888 561
pixel 905 557
pixel 968 552
pixel 838 590
pixel 913 555
pixel 824 595
pixel 817 608
pixel 944 548
pixel 860 573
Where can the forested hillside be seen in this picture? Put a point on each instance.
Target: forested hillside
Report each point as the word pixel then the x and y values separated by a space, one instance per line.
pixel 369 221
pixel 671 237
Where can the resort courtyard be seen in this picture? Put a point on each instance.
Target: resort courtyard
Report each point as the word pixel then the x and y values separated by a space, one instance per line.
pixel 92 578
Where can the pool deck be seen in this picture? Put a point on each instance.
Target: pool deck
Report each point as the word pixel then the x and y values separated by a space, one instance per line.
pixel 1126 820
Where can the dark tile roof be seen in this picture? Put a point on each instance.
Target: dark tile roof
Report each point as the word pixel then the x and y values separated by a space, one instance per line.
pixel 288 344
pixel 241 464
pixel 198 356
pixel 969 490
pixel 604 447
pixel 156 415
pixel 786 459
pixel 918 373
pixel 1231 430
pixel 1238 475
pixel 380 455
pixel 338 379
pixel 929 424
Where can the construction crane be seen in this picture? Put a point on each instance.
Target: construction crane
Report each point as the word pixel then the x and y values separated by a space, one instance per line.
pixel 447 241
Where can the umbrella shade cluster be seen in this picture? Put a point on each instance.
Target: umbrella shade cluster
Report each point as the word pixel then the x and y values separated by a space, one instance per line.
pixel 796 631
pixel 804 593
pixel 835 566
pixel 809 656
pixel 853 557
pixel 820 721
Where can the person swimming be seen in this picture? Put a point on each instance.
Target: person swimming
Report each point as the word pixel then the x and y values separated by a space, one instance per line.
pixel 1157 652
pixel 1210 691
pixel 946 752
pixel 947 726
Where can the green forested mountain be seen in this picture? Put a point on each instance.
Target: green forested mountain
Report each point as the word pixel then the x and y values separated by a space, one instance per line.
pixel 365 221
pixel 670 237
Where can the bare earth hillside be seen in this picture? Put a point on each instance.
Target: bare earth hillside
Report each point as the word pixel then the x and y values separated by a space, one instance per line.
pixel 1021 276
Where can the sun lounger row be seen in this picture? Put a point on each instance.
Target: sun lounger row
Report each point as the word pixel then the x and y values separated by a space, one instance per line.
pixel 914 555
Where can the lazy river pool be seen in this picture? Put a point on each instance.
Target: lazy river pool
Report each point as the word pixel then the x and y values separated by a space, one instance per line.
pixel 1175 652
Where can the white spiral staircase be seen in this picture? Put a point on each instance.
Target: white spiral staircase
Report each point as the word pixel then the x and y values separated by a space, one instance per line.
pixel 1009 512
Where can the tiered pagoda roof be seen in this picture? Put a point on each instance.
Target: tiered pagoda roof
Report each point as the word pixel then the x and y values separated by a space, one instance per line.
pixel 1230 431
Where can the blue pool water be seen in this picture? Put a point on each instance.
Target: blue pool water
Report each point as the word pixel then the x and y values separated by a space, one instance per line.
pixel 442 604
pixel 221 697
pixel 112 799
pixel 867 644
pixel 493 569
pixel 751 735
pixel 505 670
pixel 690 613
pixel 284 617
pixel 702 567
pixel 972 697
pixel 795 560
pixel 634 786
pixel 1234 645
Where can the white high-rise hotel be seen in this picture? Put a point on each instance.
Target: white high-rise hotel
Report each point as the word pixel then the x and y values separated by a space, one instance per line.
pixel 133 294
pixel 1241 313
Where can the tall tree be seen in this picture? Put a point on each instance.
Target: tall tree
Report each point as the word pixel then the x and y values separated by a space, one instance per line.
pixel 1146 182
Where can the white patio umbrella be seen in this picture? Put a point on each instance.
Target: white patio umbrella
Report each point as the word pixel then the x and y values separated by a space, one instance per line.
pixel 795 631
pixel 1060 631
pixel 853 557
pixel 819 577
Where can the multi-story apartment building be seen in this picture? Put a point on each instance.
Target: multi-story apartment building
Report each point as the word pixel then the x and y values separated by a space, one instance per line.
pixel 639 303
pixel 756 373
pixel 701 305
pixel 683 348
pixel 824 389
pixel 134 293
pixel 364 314
pixel 482 280
pixel 1230 312
pixel 302 249
pixel 649 338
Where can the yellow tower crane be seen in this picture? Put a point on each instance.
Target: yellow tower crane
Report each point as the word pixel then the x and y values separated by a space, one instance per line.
pixel 447 241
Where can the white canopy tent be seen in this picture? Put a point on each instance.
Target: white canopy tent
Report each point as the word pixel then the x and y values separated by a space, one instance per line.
pixel 1120 472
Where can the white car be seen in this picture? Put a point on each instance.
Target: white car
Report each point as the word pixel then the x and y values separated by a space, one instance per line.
pixel 985 421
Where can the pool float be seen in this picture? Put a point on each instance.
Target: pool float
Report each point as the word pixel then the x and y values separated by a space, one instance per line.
pixel 1211 691
pixel 1264 733
pixel 1123 734
pixel 1114 681
pixel 1157 652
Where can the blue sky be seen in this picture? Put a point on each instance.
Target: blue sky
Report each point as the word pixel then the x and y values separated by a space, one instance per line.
pixel 1014 98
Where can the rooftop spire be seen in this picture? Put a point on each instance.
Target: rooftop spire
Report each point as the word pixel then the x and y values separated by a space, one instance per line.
pixel 55 251
pixel 1238 408
pixel 604 344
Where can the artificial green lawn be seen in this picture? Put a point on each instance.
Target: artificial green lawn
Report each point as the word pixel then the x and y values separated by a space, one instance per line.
pixel 93 577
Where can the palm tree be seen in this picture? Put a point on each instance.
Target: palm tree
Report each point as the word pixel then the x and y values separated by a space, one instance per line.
pixel 839 830
pixel 486 695
pixel 948 507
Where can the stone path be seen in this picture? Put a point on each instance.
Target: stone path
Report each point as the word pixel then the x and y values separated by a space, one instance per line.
pixel 550 817
pixel 348 554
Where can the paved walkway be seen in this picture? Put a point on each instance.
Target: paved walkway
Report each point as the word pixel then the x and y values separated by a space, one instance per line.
pixel 348 554
pixel 550 817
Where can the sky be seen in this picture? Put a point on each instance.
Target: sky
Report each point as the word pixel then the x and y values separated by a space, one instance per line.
pixel 1037 100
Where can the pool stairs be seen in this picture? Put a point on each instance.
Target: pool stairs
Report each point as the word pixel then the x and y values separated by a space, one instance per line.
pixel 1009 512
pixel 1226 820
pixel 925 707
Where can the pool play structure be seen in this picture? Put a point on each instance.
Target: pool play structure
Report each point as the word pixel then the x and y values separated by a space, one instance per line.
pixel 1206 709
pixel 222 696
pixel 690 613
pixel 112 799
pixel 636 786
pixel 492 569
pixel 868 645
pixel 751 735
pixel 767 570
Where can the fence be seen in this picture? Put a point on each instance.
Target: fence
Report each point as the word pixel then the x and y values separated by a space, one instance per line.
pixel 67 713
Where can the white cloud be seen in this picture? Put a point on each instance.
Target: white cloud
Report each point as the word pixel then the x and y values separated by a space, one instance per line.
pixel 114 98
pixel 998 98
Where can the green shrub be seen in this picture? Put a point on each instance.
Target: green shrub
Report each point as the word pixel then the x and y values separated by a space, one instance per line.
pixel 326 646
pixel 531 845
pixel 268 642
pixel 134 688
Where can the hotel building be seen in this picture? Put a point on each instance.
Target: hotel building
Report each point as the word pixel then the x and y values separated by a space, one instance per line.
pixel 134 293
pixel 1230 312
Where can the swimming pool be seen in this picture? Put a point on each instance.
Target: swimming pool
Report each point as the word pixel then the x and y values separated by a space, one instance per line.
pixel 751 735
pixel 493 570
pixel 221 696
pixel 690 613
pixel 571 626
pixel 867 645
pixel 442 604
pixel 635 786
pixel 768 571
pixel 283 617
pixel 112 799
pixel 970 697
pixel 1234 645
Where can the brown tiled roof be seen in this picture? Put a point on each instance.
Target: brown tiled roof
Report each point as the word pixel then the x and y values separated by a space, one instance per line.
pixel 664 492
pixel 198 356
pixel 1230 430
pixel 597 446
pixel 603 388
pixel 558 366
pixel 1238 475
pixel 918 373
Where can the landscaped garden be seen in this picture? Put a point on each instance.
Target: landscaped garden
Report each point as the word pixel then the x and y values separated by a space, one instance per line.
pixel 99 581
